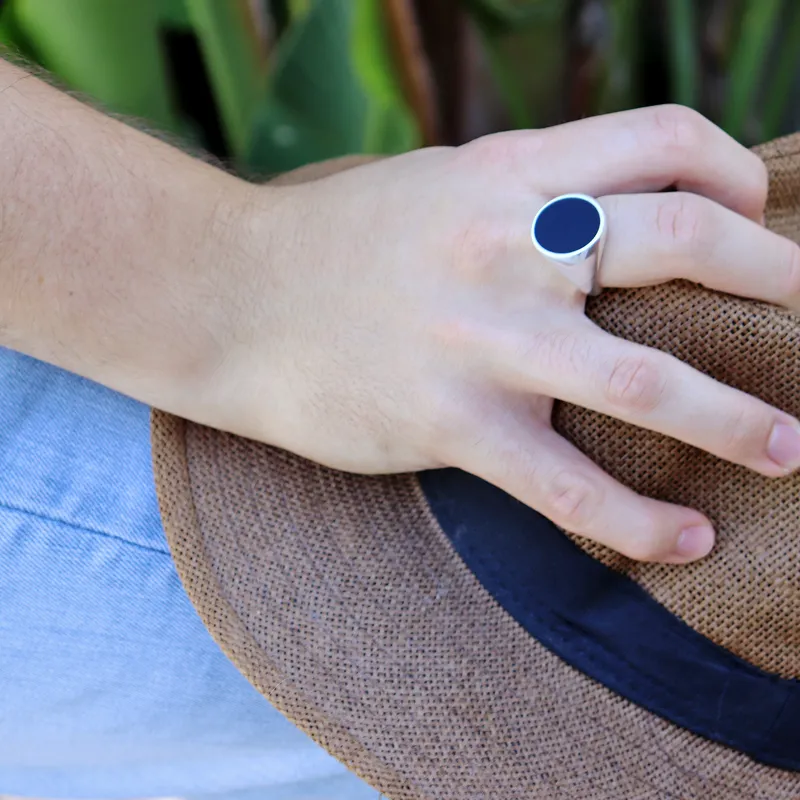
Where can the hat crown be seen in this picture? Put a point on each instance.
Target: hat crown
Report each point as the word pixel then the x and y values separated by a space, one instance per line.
pixel 746 595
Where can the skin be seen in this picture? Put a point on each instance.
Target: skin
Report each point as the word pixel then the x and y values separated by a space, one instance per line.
pixel 395 316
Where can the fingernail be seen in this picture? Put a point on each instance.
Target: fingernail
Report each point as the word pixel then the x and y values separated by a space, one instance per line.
pixel 784 446
pixel 695 542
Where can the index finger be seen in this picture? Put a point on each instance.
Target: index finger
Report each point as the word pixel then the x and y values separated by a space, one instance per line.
pixel 647 150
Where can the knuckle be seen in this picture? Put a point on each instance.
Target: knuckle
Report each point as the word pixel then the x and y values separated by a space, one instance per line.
pixel 559 351
pixel 760 190
pixel 572 500
pixel 742 431
pixel 495 150
pixel 509 153
pixel 676 127
pixel 793 271
pixel 683 222
pixel 644 545
pixel 635 384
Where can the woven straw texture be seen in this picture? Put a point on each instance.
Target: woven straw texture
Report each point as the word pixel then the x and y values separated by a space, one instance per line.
pixel 746 596
pixel 341 600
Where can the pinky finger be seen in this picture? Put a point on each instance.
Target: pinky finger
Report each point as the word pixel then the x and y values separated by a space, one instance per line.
pixel 533 463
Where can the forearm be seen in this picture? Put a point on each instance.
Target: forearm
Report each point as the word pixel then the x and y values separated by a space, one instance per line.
pixel 112 243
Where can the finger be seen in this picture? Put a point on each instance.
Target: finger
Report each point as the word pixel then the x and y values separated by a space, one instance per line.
pixel 646 150
pixel 653 238
pixel 541 469
pixel 584 365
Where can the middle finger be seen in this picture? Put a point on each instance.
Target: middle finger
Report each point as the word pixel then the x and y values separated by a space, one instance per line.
pixel 581 364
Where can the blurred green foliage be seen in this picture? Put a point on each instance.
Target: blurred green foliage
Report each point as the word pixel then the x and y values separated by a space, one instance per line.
pixel 736 61
pixel 272 84
pixel 326 87
pixel 320 104
pixel 111 51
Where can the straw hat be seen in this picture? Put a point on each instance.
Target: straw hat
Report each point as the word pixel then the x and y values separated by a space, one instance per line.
pixel 445 641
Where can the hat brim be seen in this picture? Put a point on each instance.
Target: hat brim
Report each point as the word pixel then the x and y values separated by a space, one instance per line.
pixel 343 602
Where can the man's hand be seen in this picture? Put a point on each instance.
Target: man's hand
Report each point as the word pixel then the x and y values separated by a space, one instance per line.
pixel 403 320
pixel 395 316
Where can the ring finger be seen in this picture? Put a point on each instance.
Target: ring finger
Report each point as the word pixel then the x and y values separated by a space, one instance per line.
pixel 653 238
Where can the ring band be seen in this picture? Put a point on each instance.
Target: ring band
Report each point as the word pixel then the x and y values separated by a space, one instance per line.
pixel 569 231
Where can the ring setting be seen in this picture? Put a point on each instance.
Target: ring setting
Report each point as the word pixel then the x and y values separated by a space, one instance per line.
pixel 569 231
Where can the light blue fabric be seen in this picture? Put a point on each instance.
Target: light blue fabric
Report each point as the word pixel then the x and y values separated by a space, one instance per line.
pixel 110 687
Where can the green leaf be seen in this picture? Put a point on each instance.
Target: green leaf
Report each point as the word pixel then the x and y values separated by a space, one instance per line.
pixel 6 31
pixel 334 91
pixel 784 78
pixel 506 79
pixel 618 90
pixel 174 13
pixel 388 125
pixel 506 14
pixel 108 49
pixel 758 28
pixel 298 9
pixel 236 61
pixel 683 44
pixel 11 37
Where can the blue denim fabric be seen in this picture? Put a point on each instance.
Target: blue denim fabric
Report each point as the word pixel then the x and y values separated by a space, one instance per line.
pixel 110 686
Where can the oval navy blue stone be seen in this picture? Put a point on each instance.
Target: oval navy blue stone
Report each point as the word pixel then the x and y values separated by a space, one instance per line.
pixel 567 225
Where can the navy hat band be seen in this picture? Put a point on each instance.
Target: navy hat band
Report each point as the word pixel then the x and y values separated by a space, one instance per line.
pixel 605 625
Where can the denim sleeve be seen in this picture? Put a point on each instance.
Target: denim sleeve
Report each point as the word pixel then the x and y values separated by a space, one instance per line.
pixel 111 686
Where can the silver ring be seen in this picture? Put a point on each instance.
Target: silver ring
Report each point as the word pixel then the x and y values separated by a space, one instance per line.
pixel 570 231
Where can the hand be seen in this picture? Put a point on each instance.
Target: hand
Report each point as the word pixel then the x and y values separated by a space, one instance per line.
pixel 401 319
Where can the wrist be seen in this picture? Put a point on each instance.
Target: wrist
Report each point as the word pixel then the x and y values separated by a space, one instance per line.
pixel 239 310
